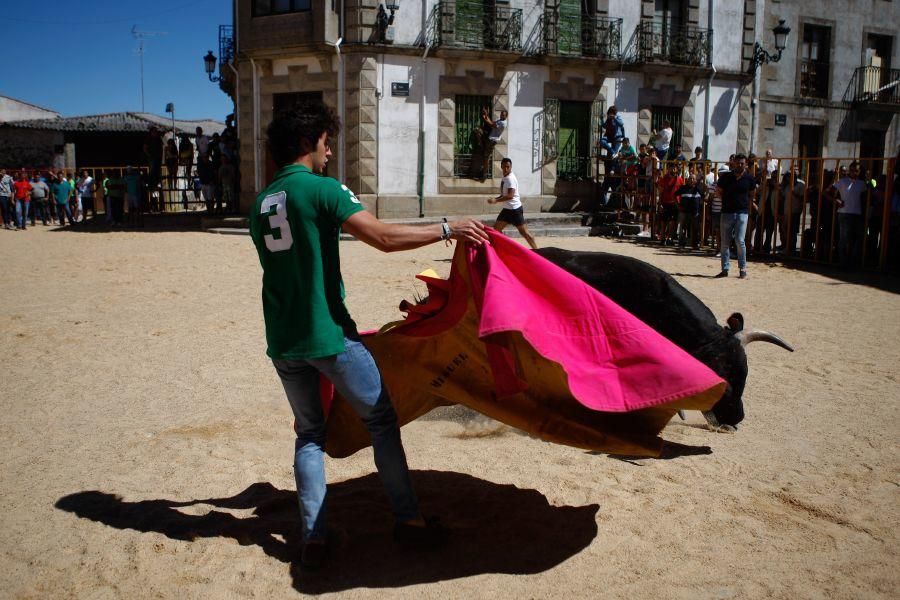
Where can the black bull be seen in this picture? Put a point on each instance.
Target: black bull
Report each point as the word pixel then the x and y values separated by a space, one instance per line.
pixel 653 296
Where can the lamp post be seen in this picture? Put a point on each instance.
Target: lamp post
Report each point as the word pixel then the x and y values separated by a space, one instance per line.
pixel 209 63
pixel 760 56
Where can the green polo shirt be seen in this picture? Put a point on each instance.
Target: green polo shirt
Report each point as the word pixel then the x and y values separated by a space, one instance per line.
pixel 295 224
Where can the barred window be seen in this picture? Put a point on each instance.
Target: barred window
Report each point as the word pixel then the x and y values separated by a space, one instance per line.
pixel 468 143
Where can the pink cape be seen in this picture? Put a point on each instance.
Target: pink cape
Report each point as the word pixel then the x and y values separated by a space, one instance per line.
pixel 519 339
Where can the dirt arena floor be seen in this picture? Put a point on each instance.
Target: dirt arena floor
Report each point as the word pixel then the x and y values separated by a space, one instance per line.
pixel 147 445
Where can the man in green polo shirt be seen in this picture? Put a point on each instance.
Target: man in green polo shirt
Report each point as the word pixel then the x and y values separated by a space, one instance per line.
pixel 295 224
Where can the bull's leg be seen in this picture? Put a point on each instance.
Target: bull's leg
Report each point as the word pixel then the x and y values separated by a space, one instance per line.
pixel 714 425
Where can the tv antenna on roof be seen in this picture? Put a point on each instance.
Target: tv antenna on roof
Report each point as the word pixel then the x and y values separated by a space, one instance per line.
pixel 140 36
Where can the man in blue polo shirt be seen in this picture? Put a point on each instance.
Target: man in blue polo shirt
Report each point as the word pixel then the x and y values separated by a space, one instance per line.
pixel 735 188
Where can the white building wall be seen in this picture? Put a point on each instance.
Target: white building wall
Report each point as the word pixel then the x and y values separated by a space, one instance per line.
pixel 16 110
pixel 728 33
pixel 398 125
pixel 723 119
pixel 526 101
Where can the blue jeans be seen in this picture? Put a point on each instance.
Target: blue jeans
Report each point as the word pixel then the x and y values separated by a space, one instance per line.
pixel 64 211
pixel 22 213
pixel 613 147
pixel 850 227
pixel 6 207
pixel 733 225
pixel 356 377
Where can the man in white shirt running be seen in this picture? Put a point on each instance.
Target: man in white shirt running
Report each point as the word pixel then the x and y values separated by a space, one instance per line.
pixel 512 212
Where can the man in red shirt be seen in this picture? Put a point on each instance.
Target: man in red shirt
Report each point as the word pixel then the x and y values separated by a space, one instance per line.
pixel 23 199
pixel 668 203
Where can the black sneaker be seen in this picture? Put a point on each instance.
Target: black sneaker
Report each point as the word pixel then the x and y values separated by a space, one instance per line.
pixel 314 553
pixel 722 274
pixel 431 535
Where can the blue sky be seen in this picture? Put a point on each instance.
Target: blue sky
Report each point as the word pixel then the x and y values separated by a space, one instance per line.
pixel 80 57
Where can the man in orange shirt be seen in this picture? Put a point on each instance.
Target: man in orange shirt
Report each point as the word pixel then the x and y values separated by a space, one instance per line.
pixel 23 199
pixel 668 203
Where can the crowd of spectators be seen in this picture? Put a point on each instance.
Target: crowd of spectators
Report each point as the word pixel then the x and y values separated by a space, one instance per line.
pixel 682 201
pixel 177 173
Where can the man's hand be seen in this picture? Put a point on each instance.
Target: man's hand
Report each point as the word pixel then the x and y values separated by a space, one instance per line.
pixel 468 230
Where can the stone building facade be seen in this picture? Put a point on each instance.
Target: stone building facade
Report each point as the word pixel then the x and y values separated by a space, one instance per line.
pixel 407 79
pixel 836 90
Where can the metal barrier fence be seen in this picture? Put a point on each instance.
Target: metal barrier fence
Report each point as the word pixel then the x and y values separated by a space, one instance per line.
pixel 180 191
pixel 795 211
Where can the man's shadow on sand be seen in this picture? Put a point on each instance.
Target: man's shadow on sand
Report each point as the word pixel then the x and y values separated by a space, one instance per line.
pixel 493 529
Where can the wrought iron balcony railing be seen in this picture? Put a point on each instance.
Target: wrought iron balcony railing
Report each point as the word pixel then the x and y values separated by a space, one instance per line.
pixel 874 85
pixel 474 25
pixel 659 42
pixel 581 35
pixel 226 45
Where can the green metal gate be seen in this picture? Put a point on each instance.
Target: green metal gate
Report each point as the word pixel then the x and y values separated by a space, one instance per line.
pixel 574 162
pixel 468 120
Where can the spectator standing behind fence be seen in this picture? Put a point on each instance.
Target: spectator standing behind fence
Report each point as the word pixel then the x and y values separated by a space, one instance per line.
pixel 668 203
pixel 715 206
pixel 662 139
pixel 736 188
pixel 226 184
pixel 613 132
pixel 40 195
pixel 86 187
pixel 171 159
pixel 115 191
pixel 61 194
pixel 207 182
pixel 768 214
pixel 847 193
pixel 771 162
pixel 23 200
pixel 690 199
pixel 792 209
pixel 6 199
pixel 75 197
pixel 186 158
pixel 133 193
pixel 202 143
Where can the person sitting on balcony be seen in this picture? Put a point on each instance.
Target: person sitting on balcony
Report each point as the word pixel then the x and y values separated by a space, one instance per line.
pixel 613 132
pixel 484 138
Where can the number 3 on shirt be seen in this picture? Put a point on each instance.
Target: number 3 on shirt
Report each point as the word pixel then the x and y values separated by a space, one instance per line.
pixel 277 221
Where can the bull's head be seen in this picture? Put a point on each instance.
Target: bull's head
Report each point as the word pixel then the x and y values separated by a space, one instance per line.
pixel 729 410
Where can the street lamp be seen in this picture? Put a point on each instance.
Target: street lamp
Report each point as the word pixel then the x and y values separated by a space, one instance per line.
pixel 209 63
pixel 760 56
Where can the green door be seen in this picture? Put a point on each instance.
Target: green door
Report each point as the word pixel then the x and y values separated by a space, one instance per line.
pixel 574 161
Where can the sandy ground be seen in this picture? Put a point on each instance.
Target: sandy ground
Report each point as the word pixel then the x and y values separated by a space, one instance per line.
pixel 147 445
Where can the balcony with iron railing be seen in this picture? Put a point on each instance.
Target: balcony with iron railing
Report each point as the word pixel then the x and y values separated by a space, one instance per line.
pixel 660 42
pixel 475 26
pixel 874 86
pixel 226 57
pixel 581 35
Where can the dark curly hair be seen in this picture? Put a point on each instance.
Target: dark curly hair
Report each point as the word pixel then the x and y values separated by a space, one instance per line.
pixel 295 131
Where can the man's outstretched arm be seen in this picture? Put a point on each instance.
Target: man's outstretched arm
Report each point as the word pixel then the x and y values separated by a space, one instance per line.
pixel 391 237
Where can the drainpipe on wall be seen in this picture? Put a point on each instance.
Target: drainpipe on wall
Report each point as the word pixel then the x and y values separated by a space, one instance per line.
pixel 709 25
pixel 340 99
pixel 256 141
pixel 421 162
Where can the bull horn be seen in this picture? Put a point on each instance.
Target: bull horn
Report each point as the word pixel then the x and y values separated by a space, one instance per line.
pixel 755 335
